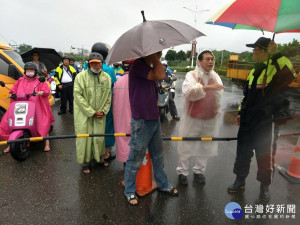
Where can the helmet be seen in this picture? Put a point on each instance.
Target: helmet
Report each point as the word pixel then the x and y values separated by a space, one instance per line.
pixel 164 63
pixel 65 57
pixel 95 57
pixel 100 48
pixel 30 65
pixel 127 63
pixel 71 58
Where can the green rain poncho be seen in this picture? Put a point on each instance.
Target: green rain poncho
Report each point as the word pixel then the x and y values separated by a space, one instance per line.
pixel 91 93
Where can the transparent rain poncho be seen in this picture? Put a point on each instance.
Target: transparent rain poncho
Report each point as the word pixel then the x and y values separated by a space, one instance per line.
pixel 202 110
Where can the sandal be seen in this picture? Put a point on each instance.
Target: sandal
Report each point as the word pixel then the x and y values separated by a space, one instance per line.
pixel 102 164
pixel 131 198
pixel 111 156
pixel 86 169
pixel 171 192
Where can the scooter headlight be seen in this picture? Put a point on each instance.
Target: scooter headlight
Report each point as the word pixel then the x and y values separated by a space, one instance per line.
pixel 20 108
pixel 30 121
pixel 9 122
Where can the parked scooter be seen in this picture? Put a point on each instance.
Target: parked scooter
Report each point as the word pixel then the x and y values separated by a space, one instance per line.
pixel 163 97
pixel 173 85
pixel 21 122
pixel 52 83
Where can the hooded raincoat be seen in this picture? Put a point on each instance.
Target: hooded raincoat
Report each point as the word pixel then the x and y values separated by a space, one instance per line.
pixel 43 113
pixel 202 110
pixel 91 93
pixel 122 116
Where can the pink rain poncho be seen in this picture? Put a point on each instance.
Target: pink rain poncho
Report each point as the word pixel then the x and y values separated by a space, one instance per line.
pixel 43 114
pixel 122 116
pixel 202 110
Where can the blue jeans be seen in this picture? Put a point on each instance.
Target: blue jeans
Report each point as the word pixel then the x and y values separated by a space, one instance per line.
pixel 145 134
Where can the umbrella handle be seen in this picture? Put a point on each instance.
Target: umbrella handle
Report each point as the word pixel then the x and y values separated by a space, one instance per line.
pixel 144 19
pixel 273 36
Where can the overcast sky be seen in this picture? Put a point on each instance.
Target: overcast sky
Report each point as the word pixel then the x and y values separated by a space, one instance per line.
pixel 60 24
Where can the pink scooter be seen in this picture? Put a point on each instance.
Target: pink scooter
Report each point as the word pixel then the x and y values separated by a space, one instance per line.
pixel 21 122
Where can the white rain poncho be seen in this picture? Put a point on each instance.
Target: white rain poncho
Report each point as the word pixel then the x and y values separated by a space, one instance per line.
pixel 201 114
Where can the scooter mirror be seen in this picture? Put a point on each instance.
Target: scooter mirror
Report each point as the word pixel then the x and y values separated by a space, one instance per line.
pixel 2 84
pixel 42 79
pixel 175 71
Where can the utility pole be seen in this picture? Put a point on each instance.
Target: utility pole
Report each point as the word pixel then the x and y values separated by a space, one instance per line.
pixel 194 42
pixel 15 46
pixel 80 50
pixel 222 58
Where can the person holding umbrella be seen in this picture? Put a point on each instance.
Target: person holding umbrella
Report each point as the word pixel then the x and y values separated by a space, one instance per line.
pixel 41 68
pixel 64 78
pixel 262 100
pixel 145 125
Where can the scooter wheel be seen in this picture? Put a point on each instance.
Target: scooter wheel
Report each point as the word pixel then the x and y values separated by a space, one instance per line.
pixel 19 151
pixel 162 114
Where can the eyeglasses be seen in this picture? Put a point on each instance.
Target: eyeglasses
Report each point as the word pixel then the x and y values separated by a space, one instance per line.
pixel 208 59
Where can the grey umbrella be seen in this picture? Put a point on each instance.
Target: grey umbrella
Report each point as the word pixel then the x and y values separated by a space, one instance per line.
pixel 150 37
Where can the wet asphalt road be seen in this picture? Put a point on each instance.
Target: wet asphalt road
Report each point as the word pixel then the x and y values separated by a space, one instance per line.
pixel 50 188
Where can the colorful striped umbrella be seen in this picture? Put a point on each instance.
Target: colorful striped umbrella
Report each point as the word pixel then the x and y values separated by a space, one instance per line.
pixel 276 16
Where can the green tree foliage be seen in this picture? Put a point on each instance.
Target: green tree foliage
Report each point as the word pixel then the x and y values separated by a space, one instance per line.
pixel 188 54
pixel 181 56
pixel 171 55
pixel 24 48
pixel 78 58
pixel 291 49
pixel 182 59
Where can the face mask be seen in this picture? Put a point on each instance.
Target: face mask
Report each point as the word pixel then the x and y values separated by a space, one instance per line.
pixel 96 71
pixel 30 74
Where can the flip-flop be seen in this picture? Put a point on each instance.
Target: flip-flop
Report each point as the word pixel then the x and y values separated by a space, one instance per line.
pixel 86 169
pixel 102 164
pixel 171 192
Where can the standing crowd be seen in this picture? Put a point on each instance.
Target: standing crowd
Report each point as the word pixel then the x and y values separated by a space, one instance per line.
pixel 124 99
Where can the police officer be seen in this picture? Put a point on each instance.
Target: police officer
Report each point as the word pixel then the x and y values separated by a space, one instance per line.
pixel 262 99
pixel 64 79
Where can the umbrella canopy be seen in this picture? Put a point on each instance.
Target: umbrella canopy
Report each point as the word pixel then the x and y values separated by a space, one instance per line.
pixel 275 16
pixel 150 37
pixel 48 56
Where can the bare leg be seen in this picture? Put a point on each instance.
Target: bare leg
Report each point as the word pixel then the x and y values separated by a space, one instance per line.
pixel 7 149
pixel 106 156
pixel 47 145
